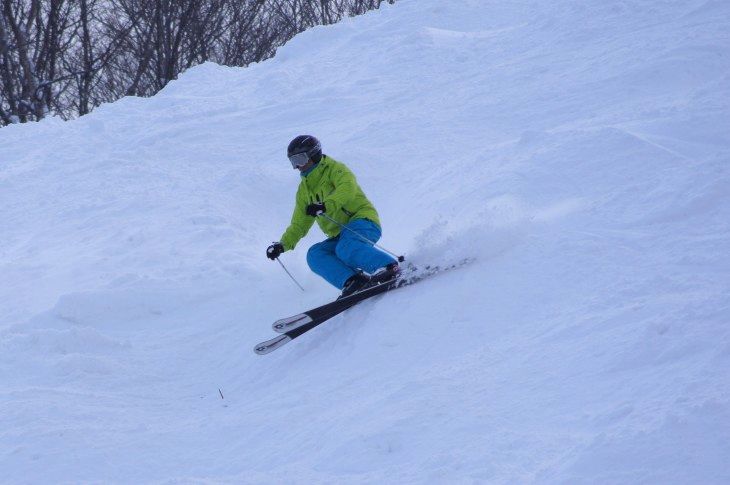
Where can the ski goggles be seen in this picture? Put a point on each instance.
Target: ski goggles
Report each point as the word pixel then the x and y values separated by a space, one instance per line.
pixel 299 159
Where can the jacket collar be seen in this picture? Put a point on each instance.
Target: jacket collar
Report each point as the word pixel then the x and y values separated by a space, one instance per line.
pixel 309 170
pixel 315 173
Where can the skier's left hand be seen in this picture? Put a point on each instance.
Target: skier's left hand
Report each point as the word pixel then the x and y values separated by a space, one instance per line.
pixel 315 209
pixel 274 251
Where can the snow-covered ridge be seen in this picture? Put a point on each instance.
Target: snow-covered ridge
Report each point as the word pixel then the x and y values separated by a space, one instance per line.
pixel 577 149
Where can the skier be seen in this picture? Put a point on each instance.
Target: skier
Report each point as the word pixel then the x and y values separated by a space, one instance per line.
pixel 329 193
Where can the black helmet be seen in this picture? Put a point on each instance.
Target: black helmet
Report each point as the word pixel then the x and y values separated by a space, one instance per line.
pixel 304 145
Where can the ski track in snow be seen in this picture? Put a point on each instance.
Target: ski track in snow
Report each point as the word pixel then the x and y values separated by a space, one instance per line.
pixel 578 150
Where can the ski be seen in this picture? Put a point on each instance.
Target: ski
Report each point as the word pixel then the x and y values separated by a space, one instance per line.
pixel 331 309
pixel 294 326
pixel 303 323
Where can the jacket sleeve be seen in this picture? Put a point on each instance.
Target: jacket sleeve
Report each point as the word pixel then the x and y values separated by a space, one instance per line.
pixel 299 226
pixel 345 188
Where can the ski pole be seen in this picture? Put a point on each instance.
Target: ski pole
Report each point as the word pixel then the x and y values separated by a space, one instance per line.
pixel 399 258
pixel 290 276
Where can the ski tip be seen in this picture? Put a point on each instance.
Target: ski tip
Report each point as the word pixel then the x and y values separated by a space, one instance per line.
pixel 286 324
pixel 271 345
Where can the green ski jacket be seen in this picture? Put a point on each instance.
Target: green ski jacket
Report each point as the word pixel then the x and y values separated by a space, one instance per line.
pixel 334 184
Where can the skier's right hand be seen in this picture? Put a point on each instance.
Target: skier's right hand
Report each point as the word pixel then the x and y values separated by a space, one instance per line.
pixel 273 251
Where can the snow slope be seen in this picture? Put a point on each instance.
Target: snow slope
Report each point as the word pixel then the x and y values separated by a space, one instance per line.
pixel 578 149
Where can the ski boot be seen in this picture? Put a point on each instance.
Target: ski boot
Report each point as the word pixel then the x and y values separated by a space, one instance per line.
pixel 384 274
pixel 355 283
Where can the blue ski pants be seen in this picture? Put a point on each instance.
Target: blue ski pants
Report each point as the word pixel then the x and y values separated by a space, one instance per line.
pixel 337 258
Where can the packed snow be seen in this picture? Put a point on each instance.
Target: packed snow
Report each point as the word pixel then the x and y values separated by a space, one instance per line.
pixel 577 149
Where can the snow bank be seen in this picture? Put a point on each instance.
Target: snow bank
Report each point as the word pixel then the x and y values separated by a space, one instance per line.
pixel 578 150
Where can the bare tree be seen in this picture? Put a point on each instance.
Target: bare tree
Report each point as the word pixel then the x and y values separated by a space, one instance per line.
pixel 248 36
pixel 14 31
pixel 34 36
pixel 67 56
pixel 164 37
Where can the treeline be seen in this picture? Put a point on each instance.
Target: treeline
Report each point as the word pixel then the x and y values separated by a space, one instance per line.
pixel 65 57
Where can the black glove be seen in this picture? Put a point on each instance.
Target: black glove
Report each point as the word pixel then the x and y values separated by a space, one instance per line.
pixel 315 209
pixel 273 251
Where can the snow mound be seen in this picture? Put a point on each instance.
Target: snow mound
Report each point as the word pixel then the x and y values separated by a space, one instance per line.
pixel 578 151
